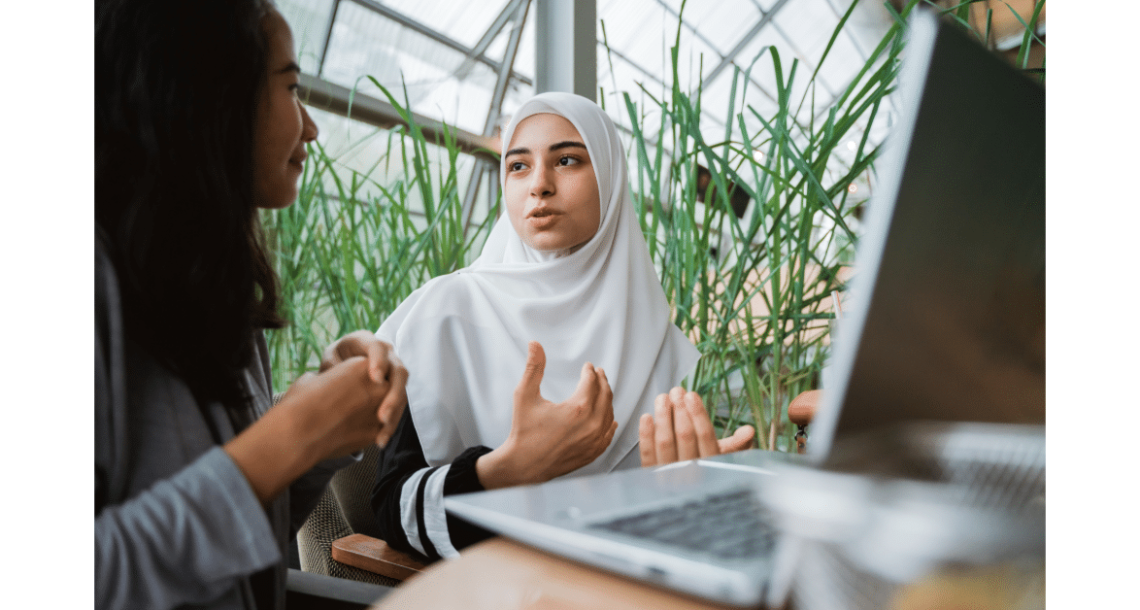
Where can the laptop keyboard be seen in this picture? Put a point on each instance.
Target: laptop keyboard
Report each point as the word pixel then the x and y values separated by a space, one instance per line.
pixel 730 525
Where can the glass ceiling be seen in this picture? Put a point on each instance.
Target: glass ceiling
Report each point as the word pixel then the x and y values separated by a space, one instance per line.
pixel 425 44
pixel 444 56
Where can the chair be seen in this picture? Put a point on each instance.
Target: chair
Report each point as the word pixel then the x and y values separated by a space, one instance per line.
pixel 305 591
pixel 339 538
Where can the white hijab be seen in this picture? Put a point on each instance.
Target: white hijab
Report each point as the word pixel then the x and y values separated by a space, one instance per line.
pixel 463 336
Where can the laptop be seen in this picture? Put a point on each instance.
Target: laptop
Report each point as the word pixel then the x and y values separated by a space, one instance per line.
pixel 946 322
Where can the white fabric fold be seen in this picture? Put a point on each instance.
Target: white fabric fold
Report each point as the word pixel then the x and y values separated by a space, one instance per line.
pixel 463 337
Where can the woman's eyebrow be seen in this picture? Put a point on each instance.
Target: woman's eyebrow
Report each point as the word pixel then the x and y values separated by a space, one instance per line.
pixel 558 146
pixel 292 67
pixel 567 144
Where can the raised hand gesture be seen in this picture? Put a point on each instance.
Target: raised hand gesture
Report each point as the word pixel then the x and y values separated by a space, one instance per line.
pixel 549 439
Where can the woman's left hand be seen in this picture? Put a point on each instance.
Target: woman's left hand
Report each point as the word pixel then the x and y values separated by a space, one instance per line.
pixel 680 429
pixel 383 365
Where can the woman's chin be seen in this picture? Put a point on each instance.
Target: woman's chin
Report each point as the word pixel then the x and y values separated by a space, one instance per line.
pixel 551 246
pixel 278 200
pixel 546 243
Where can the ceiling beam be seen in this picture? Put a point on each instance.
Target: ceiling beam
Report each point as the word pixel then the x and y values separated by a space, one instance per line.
pixel 487 38
pixel 495 111
pixel 328 37
pixel 357 106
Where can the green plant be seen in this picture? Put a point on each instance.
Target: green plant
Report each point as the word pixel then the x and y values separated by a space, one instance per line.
pixel 351 249
pixel 754 292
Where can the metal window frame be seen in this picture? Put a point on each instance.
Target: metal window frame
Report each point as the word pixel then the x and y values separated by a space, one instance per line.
pixel 433 34
pixel 484 166
pixel 331 97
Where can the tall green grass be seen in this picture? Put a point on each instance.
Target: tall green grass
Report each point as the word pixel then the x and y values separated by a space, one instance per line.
pixel 753 293
pixel 352 248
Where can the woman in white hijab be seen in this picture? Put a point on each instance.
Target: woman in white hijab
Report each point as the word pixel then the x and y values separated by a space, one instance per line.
pixel 564 293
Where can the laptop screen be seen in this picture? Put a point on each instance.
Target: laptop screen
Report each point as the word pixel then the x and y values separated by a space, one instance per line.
pixel 947 314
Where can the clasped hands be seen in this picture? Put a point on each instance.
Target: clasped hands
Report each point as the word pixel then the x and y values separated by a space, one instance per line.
pixel 550 439
pixel 357 399
pixel 358 396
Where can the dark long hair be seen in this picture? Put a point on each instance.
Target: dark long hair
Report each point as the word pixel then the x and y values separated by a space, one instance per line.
pixel 176 89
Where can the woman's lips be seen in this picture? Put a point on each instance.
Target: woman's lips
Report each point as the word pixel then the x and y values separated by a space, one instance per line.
pixel 542 218
pixel 298 160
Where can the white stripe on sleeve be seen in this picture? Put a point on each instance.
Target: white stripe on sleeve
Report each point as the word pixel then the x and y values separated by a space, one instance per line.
pixel 408 509
pixel 435 519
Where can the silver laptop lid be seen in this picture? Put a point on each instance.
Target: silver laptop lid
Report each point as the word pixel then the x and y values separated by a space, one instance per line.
pixel 947 314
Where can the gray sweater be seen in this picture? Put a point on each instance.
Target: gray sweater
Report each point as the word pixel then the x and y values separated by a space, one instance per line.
pixel 176 522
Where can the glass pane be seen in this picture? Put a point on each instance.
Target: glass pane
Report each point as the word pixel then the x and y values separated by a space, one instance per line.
pixel 309 20
pixel 461 20
pixel 722 23
pixel 375 154
pixel 808 24
pixel 367 44
pixel 524 59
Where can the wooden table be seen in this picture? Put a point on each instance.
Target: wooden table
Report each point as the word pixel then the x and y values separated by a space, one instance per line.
pixel 503 575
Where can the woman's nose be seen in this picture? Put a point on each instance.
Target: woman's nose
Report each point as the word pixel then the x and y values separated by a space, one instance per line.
pixel 541 183
pixel 309 130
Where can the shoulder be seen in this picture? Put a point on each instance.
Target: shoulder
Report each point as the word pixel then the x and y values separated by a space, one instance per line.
pixel 444 296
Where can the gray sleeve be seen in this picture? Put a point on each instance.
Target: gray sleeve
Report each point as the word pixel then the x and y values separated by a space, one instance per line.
pixel 184 540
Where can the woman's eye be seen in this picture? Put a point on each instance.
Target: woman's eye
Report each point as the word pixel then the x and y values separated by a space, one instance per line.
pixel 568 161
pixel 516 166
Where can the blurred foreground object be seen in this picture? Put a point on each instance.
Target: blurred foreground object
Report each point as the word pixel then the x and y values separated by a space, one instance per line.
pixel 920 516
pixel 800 412
pixel 1005 586
pixel 500 574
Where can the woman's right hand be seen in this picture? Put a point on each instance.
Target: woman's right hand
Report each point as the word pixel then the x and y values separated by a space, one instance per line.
pixel 339 408
pixel 551 439
pixel 383 365
pixel 320 416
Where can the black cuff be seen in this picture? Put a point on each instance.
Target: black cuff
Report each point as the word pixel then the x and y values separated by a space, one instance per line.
pixel 462 478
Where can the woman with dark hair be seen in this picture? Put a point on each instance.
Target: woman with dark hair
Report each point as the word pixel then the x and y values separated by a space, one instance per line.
pixel 198 483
